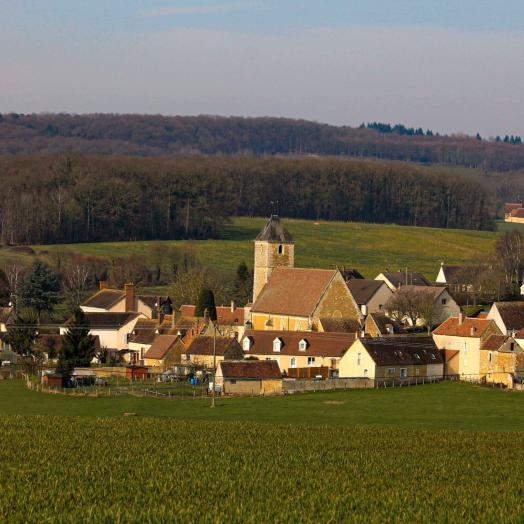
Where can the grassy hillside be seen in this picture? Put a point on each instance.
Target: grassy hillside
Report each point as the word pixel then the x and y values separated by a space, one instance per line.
pixel 369 247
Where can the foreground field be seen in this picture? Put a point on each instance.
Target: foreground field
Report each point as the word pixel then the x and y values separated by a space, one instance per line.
pixel 448 405
pixel 150 470
pixel 369 247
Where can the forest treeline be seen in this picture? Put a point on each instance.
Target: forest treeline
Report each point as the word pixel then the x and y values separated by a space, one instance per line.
pixel 63 199
pixel 155 135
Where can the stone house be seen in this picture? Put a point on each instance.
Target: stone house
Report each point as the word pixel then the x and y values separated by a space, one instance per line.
pixel 501 360
pixel 380 325
pixel 249 377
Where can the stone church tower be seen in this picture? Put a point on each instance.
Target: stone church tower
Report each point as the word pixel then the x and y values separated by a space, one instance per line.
pixel 274 247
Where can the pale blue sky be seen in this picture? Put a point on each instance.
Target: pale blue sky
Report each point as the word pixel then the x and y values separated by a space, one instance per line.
pixel 449 65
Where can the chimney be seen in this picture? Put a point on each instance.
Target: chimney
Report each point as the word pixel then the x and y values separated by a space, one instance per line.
pixel 473 331
pixel 232 306
pixel 130 297
pixel 461 318
pixel 103 284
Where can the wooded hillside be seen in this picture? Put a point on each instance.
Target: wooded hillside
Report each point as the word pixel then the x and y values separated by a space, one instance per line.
pixel 155 135
pixel 56 199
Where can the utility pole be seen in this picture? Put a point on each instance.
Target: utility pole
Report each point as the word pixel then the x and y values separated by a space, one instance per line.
pixel 213 393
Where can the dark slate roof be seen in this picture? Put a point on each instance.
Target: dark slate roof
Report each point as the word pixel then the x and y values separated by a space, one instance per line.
pixel 351 273
pixel 363 290
pixel 512 314
pixel 108 319
pixel 274 231
pixel 458 274
pixel 105 298
pixel 391 351
pixel 250 369
pixel 398 278
pixel 145 331
pixel 382 321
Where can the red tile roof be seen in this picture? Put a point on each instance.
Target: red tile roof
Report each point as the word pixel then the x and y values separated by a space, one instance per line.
pixel 330 345
pixel 494 342
pixel 161 345
pixel 250 369
pixel 470 327
pixel 293 291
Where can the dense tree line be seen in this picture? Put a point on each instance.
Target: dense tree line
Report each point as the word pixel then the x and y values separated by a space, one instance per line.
pixel 80 199
pixel 154 135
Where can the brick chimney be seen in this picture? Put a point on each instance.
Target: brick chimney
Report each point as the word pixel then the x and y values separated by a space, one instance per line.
pixel 103 284
pixel 130 297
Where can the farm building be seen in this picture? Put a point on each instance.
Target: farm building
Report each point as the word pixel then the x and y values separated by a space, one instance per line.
pixel 298 349
pixel 52 380
pixel 249 377
pixel 393 358
pixel 509 316
pixel 501 360
pixel 137 372
pixel 460 338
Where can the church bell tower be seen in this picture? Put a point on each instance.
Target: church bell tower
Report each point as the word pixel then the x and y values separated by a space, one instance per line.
pixel 274 247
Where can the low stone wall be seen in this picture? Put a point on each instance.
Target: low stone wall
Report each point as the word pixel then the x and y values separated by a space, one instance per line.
pixel 290 386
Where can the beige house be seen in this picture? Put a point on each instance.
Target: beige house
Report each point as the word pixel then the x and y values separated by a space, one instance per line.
pixel 393 359
pixel 118 301
pixel 370 295
pixel 509 316
pixel 249 377
pixel 297 349
pixel 501 360
pixel 114 330
pixel 461 339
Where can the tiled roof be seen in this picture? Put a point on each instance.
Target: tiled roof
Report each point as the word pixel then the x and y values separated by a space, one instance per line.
pixel 330 345
pixel 512 314
pixel 382 321
pixel 293 291
pixel 250 369
pixel 161 345
pixel 494 342
pixel 340 325
pixel 364 290
pixel 432 291
pixel 108 319
pixel 390 351
pixel 105 298
pixel 274 231
pixel 518 213
pixel 400 278
pixel 204 346
pixel 510 206
pixel 145 331
pixel 470 327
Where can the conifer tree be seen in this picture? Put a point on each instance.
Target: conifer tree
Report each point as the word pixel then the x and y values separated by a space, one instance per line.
pixel 40 289
pixel 206 303
pixel 243 285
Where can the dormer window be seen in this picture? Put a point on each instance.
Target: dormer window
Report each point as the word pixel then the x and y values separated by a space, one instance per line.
pixel 302 345
pixel 246 344
pixel 277 345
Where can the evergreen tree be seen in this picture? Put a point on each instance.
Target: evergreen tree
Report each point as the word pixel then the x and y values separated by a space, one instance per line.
pixel 206 302
pixel 78 346
pixel 22 335
pixel 40 289
pixel 243 286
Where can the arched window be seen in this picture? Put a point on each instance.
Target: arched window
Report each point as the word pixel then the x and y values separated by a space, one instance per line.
pixel 277 345
pixel 302 345
pixel 293 362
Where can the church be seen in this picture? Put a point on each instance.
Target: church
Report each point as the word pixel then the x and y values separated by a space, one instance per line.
pixel 286 298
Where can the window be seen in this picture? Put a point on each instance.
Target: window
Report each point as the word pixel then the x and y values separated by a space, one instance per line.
pixel 512 346
pixel 391 371
pixel 293 362
pixel 490 356
pixel 359 359
pixel 417 372
pixel 302 345
pixel 310 361
pixel 444 301
pixel 280 249
pixel 277 345
pixel 247 344
pixel 365 372
pixel 403 372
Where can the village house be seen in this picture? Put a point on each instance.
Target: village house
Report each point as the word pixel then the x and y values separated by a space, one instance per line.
pixel 509 316
pixel 114 330
pixel 501 360
pixel 392 359
pixel 118 301
pixel 249 377
pixel 370 295
pixel 297 349
pixel 514 212
pixel 395 279
pixel 461 339
pixel 165 352
pixel 230 320
pixel 459 279
pixel 381 325
pixel 199 351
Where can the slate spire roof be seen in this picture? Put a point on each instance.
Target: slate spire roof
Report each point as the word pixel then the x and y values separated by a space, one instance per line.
pixel 274 231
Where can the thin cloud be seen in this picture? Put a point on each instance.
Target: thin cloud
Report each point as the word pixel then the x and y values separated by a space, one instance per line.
pixel 197 10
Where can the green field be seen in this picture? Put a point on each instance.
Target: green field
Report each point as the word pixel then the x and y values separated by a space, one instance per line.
pixel 371 248
pixel 412 454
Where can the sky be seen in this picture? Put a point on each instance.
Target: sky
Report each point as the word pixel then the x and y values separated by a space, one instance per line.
pixel 450 66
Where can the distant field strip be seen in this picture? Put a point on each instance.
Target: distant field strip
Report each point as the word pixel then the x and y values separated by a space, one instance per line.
pixel 369 247
pixel 62 469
